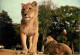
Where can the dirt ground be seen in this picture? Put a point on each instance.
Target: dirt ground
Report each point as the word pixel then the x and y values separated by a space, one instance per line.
pixel 18 52
pixel 14 52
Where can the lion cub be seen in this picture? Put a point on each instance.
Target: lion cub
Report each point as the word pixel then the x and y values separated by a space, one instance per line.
pixel 52 47
pixel 29 26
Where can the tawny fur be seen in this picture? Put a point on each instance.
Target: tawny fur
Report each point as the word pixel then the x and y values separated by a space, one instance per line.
pixel 29 26
pixel 52 47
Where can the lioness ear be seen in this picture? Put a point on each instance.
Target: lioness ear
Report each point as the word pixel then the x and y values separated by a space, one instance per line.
pixel 34 3
pixel 22 4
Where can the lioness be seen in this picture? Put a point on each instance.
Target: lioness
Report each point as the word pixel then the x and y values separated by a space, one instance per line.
pixel 29 26
pixel 52 47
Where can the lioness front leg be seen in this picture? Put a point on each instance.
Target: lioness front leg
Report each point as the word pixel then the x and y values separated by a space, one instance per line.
pixel 30 43
pixel 23 41
pixel 34 44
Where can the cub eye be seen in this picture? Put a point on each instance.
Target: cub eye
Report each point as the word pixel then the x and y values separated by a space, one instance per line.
pixel 30 8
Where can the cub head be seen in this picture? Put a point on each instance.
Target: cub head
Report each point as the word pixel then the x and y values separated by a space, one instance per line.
pixel 29 10
pixel 48 40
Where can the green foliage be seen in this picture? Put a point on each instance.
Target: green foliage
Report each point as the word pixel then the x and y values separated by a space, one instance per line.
pixel 4 17
pixel 17 29
pixel 66 17
pixel 17 33
pixel 44 18
pixel 7 36
pixel 63 39
pixel 54 21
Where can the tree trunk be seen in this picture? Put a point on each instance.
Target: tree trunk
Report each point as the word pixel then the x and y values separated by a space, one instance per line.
pixel 42 49
pixel 72 48
pixel 44 35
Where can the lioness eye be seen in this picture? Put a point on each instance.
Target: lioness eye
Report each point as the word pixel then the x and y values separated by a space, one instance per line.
pixel 29 8
pixel 23 9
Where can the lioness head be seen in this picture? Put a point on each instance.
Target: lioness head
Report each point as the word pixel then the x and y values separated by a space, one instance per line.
pixel 29 10
pixel 49 39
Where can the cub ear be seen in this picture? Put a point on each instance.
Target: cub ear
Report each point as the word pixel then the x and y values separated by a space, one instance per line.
pixel 34 3
pixel 22 4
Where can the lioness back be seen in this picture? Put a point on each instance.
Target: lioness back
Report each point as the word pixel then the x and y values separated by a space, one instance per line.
pixel 66 48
